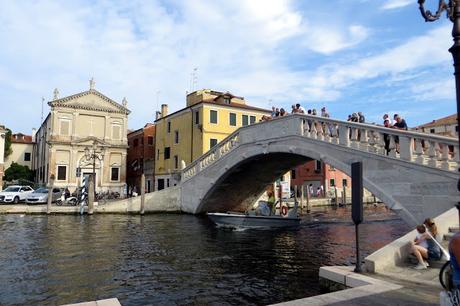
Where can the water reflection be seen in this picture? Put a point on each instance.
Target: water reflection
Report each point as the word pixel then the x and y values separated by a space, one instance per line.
pixel 173 259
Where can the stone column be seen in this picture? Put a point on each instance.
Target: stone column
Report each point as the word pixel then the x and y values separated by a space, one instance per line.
pixel 107 135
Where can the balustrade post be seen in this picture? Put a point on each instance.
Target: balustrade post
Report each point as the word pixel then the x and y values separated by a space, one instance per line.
pixel 313 132
pixel 354 138
pixel 405 147
pixel 364 140
pixel 392 146
pixel 445 157
pixel 432 160
pixel 344 135
pixel 419 152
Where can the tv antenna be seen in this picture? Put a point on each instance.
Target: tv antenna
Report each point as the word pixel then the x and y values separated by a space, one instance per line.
pixel 43 101
pixel 193 79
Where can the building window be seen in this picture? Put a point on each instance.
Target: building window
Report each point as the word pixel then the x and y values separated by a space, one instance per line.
pixel 167 153
pixel 150 140
pixel 64 127
pixel 176 136
pixel 116 131
pixel 197 117
pixel 318 166
pixel 245 120
pixel 227 100
pixel 456 128
pixel 115 174
pixel 167 183
pixel 332 182
pixel 212 142
pixel 213 116
pixel 232 119
pixel 344 183
pixel 136 142
pixel 293 174
pixel 176 162
pixel 252 119
pixel 432 131
pixel 62 173
pixel 26 156
pixel 169 127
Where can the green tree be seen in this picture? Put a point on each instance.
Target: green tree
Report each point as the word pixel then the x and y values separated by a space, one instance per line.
pixel 18 172
pixel 8 149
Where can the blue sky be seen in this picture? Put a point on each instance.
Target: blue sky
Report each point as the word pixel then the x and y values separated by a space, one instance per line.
pixel 374 56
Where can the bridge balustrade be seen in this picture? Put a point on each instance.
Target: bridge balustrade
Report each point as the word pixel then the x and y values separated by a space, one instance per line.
pixel 424 149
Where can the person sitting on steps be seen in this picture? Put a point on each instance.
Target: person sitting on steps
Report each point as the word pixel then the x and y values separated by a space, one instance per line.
pixel 423 247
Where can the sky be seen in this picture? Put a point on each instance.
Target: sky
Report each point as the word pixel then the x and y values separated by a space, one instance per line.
pixel 373 56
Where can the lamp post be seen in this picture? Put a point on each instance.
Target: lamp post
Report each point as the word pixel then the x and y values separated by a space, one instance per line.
pixel 91 154
pixel 452 8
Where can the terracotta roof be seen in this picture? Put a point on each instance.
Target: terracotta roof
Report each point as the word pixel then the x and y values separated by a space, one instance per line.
pixel 211 101
pixel 233 104
pixel 21 138
pixel 452 119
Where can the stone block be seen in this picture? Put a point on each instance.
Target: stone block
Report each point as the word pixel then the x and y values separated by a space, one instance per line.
pixel 333 274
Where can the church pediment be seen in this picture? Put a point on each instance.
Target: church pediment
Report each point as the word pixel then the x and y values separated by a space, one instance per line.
pixel 90 100
pixel 89 141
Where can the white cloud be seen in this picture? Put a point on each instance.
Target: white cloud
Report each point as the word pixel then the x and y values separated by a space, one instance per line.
pixel 138 48
pixel 393 4
pixel 327 40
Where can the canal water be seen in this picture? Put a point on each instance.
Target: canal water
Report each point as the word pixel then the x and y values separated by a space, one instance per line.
pixel 175 259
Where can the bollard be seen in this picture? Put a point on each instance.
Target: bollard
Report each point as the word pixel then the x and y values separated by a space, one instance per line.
pixel 345 195
pixel 336 197
pixel 91 195
pixel 357 205
pixel 302 198
pixel 142 210
pixel 308 201
pixel 50 194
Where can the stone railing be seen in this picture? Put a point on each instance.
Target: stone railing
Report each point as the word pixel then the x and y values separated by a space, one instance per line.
pixel 425 149
pixel 221 149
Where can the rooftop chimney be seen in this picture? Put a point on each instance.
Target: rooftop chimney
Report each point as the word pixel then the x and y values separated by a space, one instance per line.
pixel 157 115
pixel 164 110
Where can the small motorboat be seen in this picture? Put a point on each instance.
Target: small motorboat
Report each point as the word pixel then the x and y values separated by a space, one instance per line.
pixel 247 220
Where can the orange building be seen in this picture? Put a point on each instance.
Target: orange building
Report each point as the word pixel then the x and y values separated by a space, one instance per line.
pixel 141 158
pixel 319 174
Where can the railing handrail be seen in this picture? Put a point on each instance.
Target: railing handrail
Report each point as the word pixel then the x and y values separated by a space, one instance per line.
pixel 357 125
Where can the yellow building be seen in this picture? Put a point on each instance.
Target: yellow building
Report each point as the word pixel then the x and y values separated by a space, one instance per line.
pixel 186 134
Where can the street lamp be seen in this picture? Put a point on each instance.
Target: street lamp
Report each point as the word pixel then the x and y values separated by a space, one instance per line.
pixel 92 153
pixel 452 9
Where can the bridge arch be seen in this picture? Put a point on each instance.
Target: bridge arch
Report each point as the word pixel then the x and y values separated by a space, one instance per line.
pixel 234 177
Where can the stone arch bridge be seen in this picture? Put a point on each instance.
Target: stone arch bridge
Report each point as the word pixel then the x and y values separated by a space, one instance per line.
pixel 417 181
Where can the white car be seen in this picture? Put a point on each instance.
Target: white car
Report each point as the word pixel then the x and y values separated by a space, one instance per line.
pixel 15 194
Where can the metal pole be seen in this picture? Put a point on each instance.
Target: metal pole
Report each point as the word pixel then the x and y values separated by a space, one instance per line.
pixel 302 198
pixel 455 51
pixel 453 12
pixel 142 211
pixel 50 194
pixel 336 196
pixel 358 268
pixel 308 200
pixel 94 175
